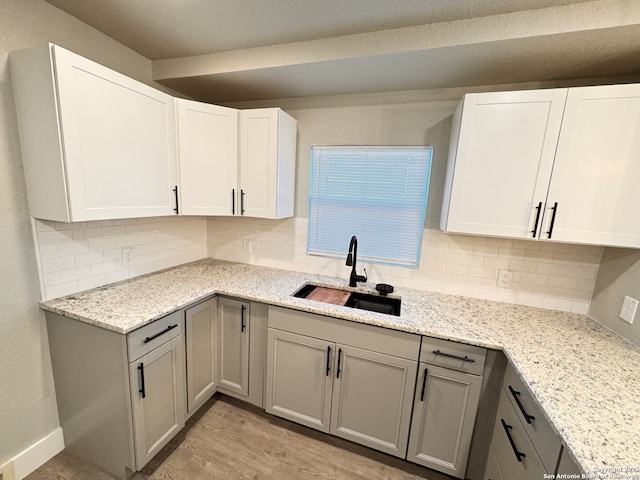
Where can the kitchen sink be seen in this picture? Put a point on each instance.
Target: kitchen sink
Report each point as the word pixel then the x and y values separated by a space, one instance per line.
pixel 360 300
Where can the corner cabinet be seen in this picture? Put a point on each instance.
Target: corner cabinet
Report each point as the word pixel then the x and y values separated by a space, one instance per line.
pixel 95 144
pixel 556 164
pixel 267 163
pixel 201 340
pixel 353 381
pixel 233 343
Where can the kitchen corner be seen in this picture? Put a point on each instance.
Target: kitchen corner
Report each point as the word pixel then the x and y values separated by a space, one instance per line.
pixel 582 374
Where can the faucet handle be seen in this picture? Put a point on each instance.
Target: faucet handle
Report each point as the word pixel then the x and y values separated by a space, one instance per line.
pixel 365 275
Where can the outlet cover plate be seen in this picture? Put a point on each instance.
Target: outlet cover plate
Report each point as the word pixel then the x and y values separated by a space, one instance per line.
pixel 629 308
pixel 505 277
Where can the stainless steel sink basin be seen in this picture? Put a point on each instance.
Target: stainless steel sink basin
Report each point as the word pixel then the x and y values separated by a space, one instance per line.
pixel 360 300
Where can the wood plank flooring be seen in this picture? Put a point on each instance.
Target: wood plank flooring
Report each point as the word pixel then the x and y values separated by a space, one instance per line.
pixel 229 439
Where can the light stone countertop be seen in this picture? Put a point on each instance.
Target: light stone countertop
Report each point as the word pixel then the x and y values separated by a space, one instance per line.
pixel 586 378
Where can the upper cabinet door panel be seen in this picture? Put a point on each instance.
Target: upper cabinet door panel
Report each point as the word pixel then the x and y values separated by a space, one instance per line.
pixel 96 144
pixel 596 176
pixel 267 163
pixel 502 160
pixel 119 138
pixel 208 158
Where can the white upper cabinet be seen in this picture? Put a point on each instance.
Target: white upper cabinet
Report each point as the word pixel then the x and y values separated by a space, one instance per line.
pixel 596 175
pixel 500 159
pixel 236 162
pixel 556 165
pixel 267 163
pixel 95 144
pixel 208 158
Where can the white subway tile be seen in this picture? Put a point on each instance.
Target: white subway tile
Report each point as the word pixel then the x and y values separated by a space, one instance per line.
pixel 98 244
pixel 57 264
pixel 580 307
pixel 117 276
pixel 91 282
pixel 486 250
pixel 496 262
pixel 60 290
pixel 535 278
pixel 53 237
pixel 48 251
pixel 588 273
pixel 563 282
pixel 75 273
pixel 51 279
pixel 89 258
pixel 73 248
pixel 550 269
pixel 104 267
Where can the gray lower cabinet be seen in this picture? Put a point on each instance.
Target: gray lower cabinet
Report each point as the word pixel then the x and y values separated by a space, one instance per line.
pixel 233 342
pixel 353 381
pixel 493 471
pixel 201 335
pixel 445 405
pixel 443 416
pixel 157 398
pixel 120 397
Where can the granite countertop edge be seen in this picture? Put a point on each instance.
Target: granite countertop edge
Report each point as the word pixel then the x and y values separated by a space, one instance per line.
pixel 564 358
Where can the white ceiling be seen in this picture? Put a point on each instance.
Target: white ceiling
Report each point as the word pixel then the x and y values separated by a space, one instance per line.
pixel 237 50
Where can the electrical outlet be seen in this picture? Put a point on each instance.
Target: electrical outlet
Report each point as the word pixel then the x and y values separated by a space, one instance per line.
pixel 629 308
pixel 127 256
pixel 504 278
pixel 246 246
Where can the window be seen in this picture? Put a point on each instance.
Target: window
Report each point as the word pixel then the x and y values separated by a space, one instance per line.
pixel 378 194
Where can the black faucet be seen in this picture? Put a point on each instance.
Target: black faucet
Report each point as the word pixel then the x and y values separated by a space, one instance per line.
pixel 351 262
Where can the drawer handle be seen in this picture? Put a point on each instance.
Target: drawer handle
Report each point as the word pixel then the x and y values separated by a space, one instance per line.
pixel 241 202
pixel 535 227
pixel 526 416
pixel 243 324
pixel 339 359
pixel 142 389
pixel 424 384
pixel 153 337
pixel 554 209
pixel 177 208
pixel 519 455
pixel 233 201
pixel 457 357
pixel 328 360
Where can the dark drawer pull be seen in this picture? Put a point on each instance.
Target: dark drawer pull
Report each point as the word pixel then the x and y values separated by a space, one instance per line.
pixel 177 208
pixel 457 357
pixel 243 324
pixel 519 455
pixel 526 416
pixel 553 219
pixel 142 389
pixel 538 212
pixel 233 201
pixel 153 337
pixel 328 360
pixel 339 360
pixel 424 384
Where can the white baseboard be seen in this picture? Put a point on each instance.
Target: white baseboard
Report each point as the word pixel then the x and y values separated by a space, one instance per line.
pixel 33 457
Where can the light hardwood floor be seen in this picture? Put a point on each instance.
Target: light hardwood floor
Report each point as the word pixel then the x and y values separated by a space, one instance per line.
pixel 228 439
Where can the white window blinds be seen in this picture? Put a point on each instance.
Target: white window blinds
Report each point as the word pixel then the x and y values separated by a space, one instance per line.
pixel 378 194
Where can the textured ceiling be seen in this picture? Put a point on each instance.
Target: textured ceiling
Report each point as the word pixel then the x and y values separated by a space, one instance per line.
pixel 235 50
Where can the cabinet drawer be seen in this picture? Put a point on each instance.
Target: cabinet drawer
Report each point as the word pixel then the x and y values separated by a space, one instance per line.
pixel 509 437
pixel 453 355
pixel 143 340
pixel 544 438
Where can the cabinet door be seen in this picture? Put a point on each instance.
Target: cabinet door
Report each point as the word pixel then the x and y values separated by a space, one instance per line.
pixel 119 142
pixel 444 412
pixel 596 174
pixel 372 396
pixel 502 152
pixel 202 348
pixel 299 378
pixel 234 324
pixel 267 163
pixel 157 396
pixel 208 158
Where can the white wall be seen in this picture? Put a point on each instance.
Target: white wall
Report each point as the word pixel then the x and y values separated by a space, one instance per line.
pixel 28 409
pixel 550 275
